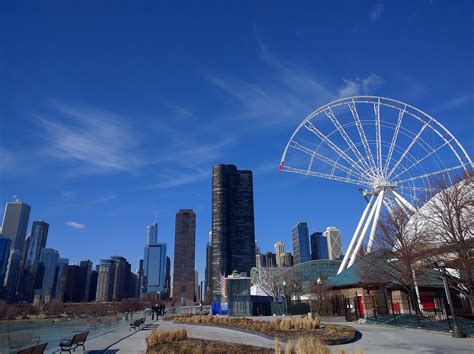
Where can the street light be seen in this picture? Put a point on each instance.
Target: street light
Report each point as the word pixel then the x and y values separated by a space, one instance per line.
pixel 457 332
pixel 284 291
pixel 319 284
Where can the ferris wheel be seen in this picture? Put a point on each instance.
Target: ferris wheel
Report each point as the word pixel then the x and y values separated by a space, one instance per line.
pixel 391 150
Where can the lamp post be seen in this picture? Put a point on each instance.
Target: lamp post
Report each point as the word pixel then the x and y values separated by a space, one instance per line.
pixel 284 292
pixel 320 299
pixel 457 332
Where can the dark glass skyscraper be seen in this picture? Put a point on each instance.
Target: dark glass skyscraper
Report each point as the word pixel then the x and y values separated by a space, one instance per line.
pixel 184 254
pixel 15 223
pixel 319 246
pixel 300 241
pixel 233 229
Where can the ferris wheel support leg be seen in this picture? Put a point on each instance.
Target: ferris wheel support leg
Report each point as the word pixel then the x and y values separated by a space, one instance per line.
pixel 354 237
pixel 375 222
pixel 364 231
pixel 404 201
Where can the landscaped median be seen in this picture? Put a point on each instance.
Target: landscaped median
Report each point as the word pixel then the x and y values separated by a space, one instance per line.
pixel 287 328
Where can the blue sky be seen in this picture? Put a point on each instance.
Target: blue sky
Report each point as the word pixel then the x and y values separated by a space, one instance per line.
pixel 112 112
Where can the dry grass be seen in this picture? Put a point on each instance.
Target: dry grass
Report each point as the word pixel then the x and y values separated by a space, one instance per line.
pixel 290 327
pixel 163 335
pixel 308 345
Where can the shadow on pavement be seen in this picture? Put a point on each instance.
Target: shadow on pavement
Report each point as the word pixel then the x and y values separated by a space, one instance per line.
pixel 105 351
pixel 357 337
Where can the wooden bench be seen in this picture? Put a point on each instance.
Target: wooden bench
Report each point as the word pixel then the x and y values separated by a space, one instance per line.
pixel 78 340
pixel 37 349
pixel 137 323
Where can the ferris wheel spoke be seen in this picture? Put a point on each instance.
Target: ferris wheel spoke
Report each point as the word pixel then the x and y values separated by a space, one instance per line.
pixel 423 158
pixel 408 149
pixel 333 146
pixel 378 137
pixel 363 137
pixel 433 173
pixel 318 156
pixel 346 137
pixel 394 140
pixel 322 175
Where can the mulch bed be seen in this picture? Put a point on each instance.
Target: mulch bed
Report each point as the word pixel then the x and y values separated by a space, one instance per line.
pixel 195 346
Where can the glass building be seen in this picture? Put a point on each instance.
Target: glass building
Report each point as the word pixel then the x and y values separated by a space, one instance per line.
pixel 15 223
pixel 319 246
pixel 4 256
pixel 154 267
pixel 300 240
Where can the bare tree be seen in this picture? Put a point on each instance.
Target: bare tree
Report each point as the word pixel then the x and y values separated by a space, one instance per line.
pixel 398 256
pixel 448 219
pixel 268 282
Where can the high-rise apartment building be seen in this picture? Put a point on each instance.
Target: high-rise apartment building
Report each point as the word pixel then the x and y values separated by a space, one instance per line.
pixel 15 223
pixel 184 257
pixel 333 236
pixel 300 241
pixel 287 259
pixel 233 229
pixel 319 246
pixel 279 251
pixel 121 278
pixel 105 280
pixel 93 286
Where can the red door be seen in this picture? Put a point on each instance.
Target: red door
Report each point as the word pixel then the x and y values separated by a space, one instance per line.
pixel 361 306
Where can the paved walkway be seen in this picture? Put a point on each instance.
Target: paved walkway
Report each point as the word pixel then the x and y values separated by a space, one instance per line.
pixel 372 339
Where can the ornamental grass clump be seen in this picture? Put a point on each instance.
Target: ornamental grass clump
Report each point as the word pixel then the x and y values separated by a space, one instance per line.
pixel 163 335
pixel 291 323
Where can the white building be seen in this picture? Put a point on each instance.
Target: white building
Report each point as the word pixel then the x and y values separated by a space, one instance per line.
pixel 333 236
pixel 279 251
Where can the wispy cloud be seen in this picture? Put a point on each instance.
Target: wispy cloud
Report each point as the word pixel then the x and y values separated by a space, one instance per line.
pixel 182 176
pixel 75 225
pixel 99 140
pixel 376 12
pixel 454 103
pixel 359 86
pixel 278 99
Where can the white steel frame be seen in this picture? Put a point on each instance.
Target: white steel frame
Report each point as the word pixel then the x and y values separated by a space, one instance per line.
pixel 386 179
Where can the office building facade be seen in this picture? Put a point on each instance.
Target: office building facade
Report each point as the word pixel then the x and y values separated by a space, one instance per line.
pixel 233 229
pixel 184 257
pixel 333 236
pixel 279 251
pixel 151 234
pixel 300 241
pixel 15 223
pixel 154 268
pixel 319 246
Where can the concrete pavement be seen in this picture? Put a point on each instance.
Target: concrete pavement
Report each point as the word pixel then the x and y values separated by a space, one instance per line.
pixel 371 338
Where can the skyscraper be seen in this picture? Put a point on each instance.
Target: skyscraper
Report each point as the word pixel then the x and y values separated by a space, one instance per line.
pixel 85 279
pixel 72 291
pixel 35 242
pixel 154 267
pixel 12 275
pixel 154 263
pixel 105 280
pixel 319 246
pixel 279 251
pixel 15 223
pixel 184 254
pixel 121 278
pixel 167 278
pixel 333 236
pixel 300 240
pixel 208 271
pixel 48 258
pixel 151 234
pixel 233 230
pixel 4 256
pixel 59 287
pixel 287 259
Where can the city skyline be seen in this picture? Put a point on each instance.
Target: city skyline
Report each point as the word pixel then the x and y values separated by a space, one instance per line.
pixel 132 159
